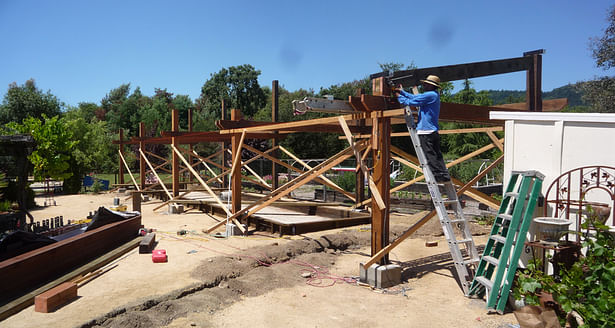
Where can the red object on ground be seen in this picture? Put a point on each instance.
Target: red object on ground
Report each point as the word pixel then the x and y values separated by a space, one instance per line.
pixel 55 298
pixel 159 256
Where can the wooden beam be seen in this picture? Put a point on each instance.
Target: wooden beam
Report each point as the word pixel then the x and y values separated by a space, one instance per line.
pixel 376 194
pixel 292 185
pixel 198 177
pixel 156 174
pixel 174 142
pixel 317 121
pixel 321 179
pixel 130 173
pixel 324 178
pixel 497 142
pixel 426 218
pixel 460 71
pixel 142 146
pixel 275 111
pixel 120 166
pixel 381 183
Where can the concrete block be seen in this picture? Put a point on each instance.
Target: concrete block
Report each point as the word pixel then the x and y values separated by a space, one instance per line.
pixel 176 208
pixel 55 298
pixel 233 230
pixel 380 276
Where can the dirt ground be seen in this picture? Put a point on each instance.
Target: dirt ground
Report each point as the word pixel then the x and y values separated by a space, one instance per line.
pixel 263 280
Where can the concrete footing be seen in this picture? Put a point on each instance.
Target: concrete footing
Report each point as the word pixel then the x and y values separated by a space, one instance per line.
pixel 233 230
pixel 176 208
pixel 380 276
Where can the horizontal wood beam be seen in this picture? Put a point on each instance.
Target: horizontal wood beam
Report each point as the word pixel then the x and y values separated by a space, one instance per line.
pixel 460 71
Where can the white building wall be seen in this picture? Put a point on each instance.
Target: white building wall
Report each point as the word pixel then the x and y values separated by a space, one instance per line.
pixel 554 143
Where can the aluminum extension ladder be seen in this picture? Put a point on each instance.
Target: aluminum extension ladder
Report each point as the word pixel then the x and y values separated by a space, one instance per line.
pixel 454 236
pixel 507 239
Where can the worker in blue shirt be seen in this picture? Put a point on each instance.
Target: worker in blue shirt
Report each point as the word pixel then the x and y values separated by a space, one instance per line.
pixel 428 103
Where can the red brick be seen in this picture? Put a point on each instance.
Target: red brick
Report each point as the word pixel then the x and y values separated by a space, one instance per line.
pixel 55 298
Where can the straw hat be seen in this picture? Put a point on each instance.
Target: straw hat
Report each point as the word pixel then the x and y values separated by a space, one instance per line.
pixel 433 80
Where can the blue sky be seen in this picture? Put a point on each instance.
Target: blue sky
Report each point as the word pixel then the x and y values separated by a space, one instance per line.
pixel 79 50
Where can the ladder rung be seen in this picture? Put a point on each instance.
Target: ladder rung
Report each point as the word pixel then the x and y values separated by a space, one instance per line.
pixel 460 241
pixel 507 217
pixel 458 220
pixel 449 201
pixel 485 282
pixel 491 260
pixel 470 261
pixel 512 194
pixel 499 239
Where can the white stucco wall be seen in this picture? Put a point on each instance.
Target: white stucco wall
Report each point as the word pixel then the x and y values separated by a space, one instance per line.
pixel 554 143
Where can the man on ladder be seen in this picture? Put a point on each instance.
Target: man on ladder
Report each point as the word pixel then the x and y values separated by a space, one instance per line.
pixel 426 142
pixel 428 103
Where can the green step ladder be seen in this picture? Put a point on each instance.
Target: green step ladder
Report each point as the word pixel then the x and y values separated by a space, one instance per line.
pixel 507 239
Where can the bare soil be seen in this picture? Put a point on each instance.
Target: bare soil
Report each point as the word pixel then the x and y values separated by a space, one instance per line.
pixel 265 281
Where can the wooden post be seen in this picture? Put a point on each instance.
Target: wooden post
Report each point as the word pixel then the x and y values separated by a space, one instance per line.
pixel 534 81
pixel 175 165
pixel 141 159
pixel 136 201
pixel 274 142
pixel 225 146
pixel 380 87
pixel 381 154
pixel 360 175
pixel 191 146
pixel 381 177
pixel 236 174
pixel 120 164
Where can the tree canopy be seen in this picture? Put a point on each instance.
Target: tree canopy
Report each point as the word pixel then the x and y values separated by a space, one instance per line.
pixel 238 86
pixel 21 102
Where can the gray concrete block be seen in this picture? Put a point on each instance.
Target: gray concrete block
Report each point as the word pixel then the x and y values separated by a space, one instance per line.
pixel 233 230
pixel 176 208
pixel 380 276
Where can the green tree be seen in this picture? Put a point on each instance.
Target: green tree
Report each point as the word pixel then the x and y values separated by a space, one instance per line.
pixel 94 152
pixel 54 146
pixel 601 91
pixel 238 86
pixel 27 100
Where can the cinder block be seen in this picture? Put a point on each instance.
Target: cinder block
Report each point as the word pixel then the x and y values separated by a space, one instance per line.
pixel 55 298
pixel 380 276
pixel 176 208
pixel 233 230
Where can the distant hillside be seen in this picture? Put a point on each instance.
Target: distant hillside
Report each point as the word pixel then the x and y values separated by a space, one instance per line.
pixel 569 91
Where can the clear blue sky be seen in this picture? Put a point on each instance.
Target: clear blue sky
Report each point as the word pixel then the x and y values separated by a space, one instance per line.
pixel 79 50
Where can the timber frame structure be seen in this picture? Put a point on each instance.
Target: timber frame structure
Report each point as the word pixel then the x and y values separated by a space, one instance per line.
pixel 368 130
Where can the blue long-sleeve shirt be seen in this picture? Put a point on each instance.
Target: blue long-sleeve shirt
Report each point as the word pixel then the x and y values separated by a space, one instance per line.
pixel 429 108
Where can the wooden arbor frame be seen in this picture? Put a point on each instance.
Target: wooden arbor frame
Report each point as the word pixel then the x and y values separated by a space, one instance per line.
pixel 368 131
